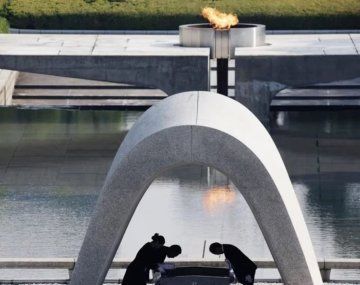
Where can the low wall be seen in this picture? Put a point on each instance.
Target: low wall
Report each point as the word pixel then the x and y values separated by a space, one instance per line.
pixel 325 266
pixel 173 73
pixel 7 84
pixel 258 78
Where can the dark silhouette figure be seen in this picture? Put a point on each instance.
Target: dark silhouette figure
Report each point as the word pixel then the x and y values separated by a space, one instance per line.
pixel 243 267
pixel 137 273
pixel 148 257
pixel 167 251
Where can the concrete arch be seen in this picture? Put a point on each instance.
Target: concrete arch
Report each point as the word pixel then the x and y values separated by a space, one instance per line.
pixel 210 129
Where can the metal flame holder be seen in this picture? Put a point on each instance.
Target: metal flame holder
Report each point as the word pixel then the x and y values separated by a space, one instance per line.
pixel 222 44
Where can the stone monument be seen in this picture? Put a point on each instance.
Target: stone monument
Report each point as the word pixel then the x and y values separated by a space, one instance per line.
pixel 208 129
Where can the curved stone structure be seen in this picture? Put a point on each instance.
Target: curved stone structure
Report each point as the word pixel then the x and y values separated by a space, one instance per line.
pixel 209 129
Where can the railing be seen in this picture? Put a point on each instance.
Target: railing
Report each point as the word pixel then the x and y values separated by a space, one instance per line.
pixel 325 267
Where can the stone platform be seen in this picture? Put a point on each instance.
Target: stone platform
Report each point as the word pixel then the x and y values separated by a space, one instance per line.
pixel 151 61
pixel 157 61
pixel 293 61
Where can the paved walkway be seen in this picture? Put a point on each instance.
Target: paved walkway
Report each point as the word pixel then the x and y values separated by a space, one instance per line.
pixel 41 44
pixel 20 44
pixel 312 44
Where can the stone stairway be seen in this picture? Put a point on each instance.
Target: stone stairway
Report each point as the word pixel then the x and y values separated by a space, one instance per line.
pixel 42 91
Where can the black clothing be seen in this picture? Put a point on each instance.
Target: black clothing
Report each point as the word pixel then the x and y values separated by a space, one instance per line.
pixel 137 273
pixel 160 255
pixel 243 267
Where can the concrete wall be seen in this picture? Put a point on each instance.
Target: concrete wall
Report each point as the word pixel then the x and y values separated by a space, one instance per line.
pixel 7 84
pixel 259 78
pixel 172 74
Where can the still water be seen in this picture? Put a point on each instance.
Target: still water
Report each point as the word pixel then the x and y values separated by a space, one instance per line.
pixel 53 163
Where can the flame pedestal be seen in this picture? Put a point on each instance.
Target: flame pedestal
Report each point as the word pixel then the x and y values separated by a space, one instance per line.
pixel 222 44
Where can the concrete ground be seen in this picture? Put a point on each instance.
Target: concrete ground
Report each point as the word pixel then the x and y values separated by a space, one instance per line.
pixel 91 45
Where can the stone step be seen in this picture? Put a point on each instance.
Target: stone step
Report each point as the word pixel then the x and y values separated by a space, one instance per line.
pixel 278 104
pixel 320 92
pixel 86 93
pixel 84 103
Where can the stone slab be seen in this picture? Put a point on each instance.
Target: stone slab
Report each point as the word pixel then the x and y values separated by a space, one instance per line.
pixel 30 79
pixel 166 44
pixel 356 40
pixel 85 92
pixel 7 83
pixel 122 45
pixel 302 45
pixel 168 73
pixel 144 60
pixel 259 77
pixel 314 104
pixel 85 104
pixel 319 93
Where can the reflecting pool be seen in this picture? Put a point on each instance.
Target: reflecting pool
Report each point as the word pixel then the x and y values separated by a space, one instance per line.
pixel 53 163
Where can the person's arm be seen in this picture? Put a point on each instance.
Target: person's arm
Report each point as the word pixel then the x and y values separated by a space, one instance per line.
pixel 158 256
pixel 231 270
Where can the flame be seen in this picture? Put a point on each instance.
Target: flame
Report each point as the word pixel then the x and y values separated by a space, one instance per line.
pixel 218 197
pixel 218 19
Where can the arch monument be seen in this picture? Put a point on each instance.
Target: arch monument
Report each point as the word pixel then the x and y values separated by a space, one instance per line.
pixel 208 129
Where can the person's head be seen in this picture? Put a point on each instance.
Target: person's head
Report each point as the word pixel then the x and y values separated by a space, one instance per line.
pixel 173 251
pixel 158 240
pixel 216 248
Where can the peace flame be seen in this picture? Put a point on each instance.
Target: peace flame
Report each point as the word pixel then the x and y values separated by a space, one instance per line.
pixel 218 19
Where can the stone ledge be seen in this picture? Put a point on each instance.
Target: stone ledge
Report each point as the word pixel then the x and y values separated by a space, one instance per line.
pixel 165 32
pixel 7 85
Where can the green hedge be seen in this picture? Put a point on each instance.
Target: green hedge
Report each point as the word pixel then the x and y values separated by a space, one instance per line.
pixel 168 14
pixel 4 25
pixel 3 4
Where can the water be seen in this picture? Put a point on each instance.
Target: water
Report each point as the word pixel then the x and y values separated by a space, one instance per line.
pixel 53 163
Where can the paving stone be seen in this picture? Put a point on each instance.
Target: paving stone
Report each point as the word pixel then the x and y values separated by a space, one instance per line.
pixel 168 44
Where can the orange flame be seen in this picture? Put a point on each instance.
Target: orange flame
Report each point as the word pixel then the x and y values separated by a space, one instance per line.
pixel 218 197
pixel 218 19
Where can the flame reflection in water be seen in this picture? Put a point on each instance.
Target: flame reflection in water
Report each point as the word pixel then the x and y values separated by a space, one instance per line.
pixel 218 197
